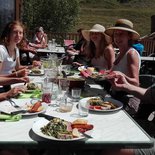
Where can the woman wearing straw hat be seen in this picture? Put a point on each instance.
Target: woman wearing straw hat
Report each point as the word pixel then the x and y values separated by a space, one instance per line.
pixel 100 48
pixel 128 60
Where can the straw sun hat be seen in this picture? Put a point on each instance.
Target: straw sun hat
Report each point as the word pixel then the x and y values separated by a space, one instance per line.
pixel 123 24
pixel 96 28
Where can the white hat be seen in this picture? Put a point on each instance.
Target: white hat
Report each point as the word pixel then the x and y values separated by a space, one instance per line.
pixel 123 24
pixel 96 28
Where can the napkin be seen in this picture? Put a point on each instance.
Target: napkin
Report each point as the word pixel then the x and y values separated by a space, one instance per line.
pixel 34 94
pixel 10 118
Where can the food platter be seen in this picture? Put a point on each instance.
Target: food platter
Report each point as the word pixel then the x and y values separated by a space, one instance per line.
pixel 31 87
pixel 118 104
pixel 89 72
pixel 44 107
pixel 24 104
pixel 98 77
pixel 40 73
pixel 102 75
pixel 41 123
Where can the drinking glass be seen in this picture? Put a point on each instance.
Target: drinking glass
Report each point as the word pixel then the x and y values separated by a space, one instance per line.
pixel 63 88
pixel 76 93
pixel 83 109
pixel 50 45
pixel 46 96
pixel 65 106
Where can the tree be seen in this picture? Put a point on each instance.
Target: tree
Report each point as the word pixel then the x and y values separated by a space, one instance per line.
pixel 53 15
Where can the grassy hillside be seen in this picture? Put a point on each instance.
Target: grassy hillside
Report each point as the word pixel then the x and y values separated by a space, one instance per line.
pixel 106 12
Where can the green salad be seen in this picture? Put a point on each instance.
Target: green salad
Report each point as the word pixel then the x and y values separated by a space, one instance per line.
pixel 57 128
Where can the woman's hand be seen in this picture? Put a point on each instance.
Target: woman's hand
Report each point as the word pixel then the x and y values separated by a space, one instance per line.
pixel 23 80
pixel 14 92
pixel 36 64
pixel 77 64
pixel 118 80
pixel 44 45
pixel 22 73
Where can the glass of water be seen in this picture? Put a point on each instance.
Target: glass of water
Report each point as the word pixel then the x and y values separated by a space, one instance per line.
pixel 83 108
pixel 76 93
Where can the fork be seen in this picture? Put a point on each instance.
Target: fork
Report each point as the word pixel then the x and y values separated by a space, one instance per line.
pixel 13 103
pixel 102 96
pixel 19 109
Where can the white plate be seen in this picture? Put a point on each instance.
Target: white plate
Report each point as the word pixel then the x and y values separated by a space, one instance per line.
pixel 35 113
pixel 41 123
pixel 34 74
pixel 29 91
pixel 6 107
pixel 81 68
pixel 38 85
pixel 115 102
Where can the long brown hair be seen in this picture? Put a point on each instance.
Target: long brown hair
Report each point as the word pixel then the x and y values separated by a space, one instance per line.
pixel 103 44
pixel 5 37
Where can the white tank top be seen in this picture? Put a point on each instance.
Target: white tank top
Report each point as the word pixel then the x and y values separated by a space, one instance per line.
pixel 122 66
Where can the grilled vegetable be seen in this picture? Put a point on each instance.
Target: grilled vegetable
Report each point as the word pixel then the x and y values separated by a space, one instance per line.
pixel 82 127
pixel 35 107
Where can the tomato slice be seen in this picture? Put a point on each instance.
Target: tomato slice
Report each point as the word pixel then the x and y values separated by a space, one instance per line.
pixel 97 107
pixel 102 71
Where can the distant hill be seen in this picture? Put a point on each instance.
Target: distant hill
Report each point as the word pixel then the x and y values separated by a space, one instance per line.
pixel 106 12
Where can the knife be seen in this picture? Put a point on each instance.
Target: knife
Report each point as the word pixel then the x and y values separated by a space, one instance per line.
pixel 48 117
pixel 18 112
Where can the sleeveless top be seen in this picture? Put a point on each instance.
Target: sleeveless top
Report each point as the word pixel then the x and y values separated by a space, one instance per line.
pixel 100 62
pixel 122 66
pixel 8 63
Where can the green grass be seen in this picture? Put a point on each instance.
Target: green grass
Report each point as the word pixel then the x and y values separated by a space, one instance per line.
pixel 106 12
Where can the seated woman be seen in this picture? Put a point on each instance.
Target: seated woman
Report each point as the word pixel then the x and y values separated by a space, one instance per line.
pixel 84 57
pixel 28 52
pixel 75 52
pixel 9 52
pixel 100 47
pixel 40 38
pixel 128 60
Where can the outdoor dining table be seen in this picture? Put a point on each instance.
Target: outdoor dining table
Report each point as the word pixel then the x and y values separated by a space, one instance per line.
pixel 147 58
pixel 57 50
pixel 111 129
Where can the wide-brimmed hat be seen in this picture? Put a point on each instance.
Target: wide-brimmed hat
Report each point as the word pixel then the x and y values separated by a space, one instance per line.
pixel 96 28
pixel 123 24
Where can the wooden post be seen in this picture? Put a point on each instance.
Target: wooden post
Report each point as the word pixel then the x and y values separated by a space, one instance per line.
pixel 152 23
